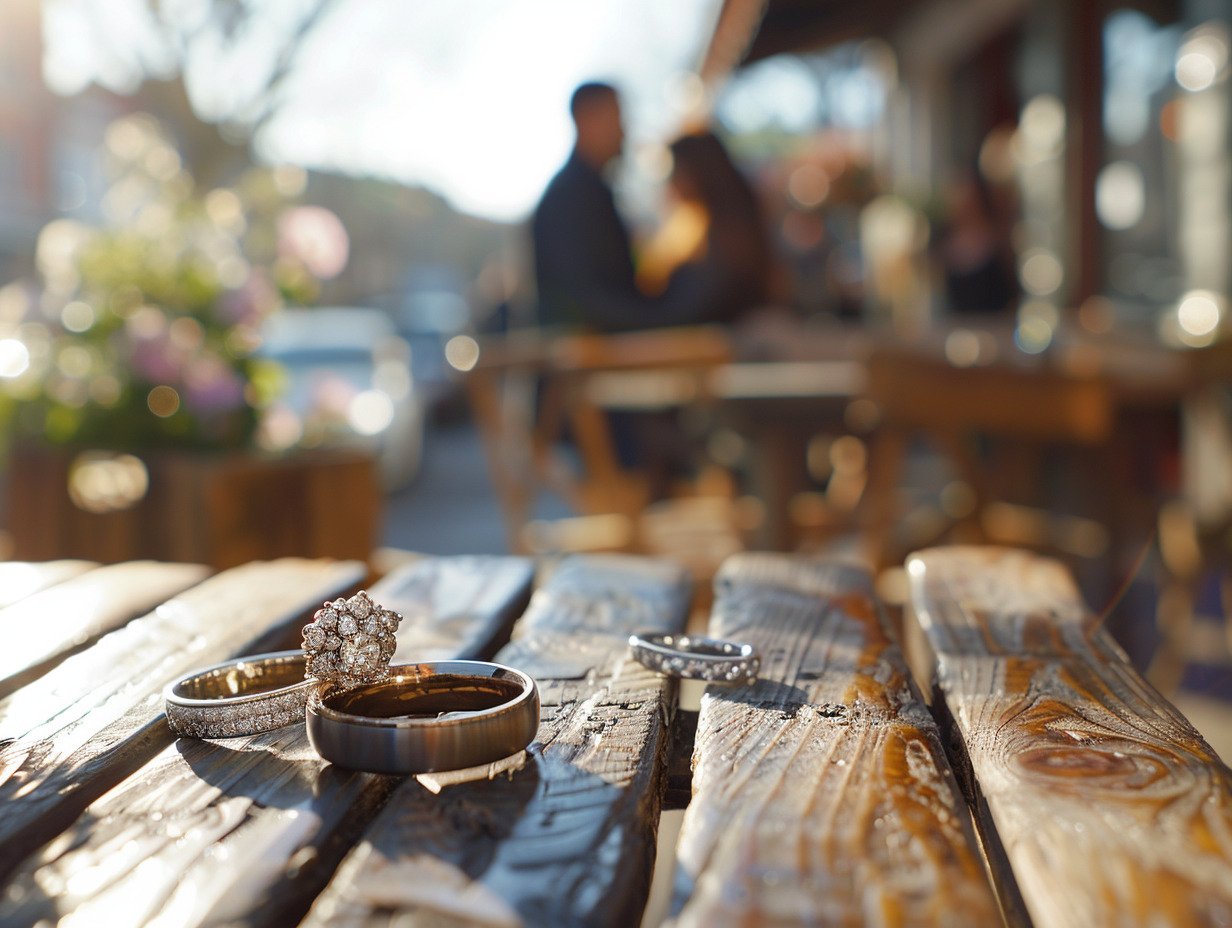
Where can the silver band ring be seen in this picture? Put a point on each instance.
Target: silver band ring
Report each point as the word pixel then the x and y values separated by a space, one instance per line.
pixel 240 697
pixel 696 658
pixel 424 718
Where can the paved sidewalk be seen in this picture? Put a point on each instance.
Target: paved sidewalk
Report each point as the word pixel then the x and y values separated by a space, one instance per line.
pixel 451 507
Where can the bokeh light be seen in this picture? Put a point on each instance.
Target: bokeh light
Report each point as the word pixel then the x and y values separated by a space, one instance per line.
pixel 370 412
pixel 14 357
pixel 808 186
pixel 962 348
pixel 1198 313
pixel 77 316
pixel 462 353
pixel 315 236
pixel 1203 57
pixel 163 401
pixel 100 481
pixel 1040 271
pixel 1041 129
pixel 1120 195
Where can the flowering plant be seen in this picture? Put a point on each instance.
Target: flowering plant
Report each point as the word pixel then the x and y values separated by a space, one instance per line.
pixel 143 330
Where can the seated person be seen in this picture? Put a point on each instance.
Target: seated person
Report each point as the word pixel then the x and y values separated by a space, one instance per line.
pixel 712 259
pixel 583 265
pixel 976 259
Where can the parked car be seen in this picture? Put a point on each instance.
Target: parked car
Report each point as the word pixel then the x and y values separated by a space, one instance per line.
pixel 349 382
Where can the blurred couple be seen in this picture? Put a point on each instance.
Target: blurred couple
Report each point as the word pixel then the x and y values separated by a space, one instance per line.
pixel 711 264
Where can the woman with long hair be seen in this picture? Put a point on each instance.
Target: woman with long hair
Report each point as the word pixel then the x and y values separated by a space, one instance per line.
pixel 728 269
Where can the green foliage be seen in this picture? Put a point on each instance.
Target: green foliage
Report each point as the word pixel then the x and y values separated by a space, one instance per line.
pixel 142 332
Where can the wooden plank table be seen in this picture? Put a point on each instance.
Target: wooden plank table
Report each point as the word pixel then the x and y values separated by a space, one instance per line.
pixel 822 794
pixel 1098 798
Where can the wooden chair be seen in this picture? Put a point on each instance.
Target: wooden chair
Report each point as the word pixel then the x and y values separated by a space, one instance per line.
pixel 530 391
pixel 1027 409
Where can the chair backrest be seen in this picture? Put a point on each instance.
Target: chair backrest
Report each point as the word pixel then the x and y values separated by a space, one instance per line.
pixel 528 390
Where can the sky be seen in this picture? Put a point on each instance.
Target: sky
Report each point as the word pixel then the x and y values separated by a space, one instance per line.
pixel 466 97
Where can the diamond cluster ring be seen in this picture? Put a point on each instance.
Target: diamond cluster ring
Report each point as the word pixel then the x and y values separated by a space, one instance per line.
pixel 360 713
pixel 695 658
pixel 350 641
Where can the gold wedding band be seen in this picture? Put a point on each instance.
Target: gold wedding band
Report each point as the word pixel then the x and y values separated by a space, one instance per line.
pixel 240 697
pixel 423 718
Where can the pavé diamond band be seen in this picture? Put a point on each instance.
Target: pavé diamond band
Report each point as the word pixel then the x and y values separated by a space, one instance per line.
pixel 241 697
pixel 696 658
pixel 423 718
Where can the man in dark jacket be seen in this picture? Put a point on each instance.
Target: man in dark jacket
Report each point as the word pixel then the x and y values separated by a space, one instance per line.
pixel 583 265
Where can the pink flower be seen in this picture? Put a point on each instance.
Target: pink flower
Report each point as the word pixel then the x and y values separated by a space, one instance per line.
pixel 156 360
pixel 251 303
pixel 211 385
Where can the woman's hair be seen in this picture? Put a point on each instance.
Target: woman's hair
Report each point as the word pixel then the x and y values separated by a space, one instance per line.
pixel 737 226
pixel 718 182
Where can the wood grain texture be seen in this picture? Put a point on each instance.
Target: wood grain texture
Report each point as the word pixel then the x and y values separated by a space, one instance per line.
pixel 456 607
pixel 19 579
pixel 569 838
pixel 223 509
pixel 44 628
pixel 821 793
pixel 1107 804
pixel 248 830
pixel 80 729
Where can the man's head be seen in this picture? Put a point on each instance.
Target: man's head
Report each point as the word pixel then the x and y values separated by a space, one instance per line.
pixel 596 114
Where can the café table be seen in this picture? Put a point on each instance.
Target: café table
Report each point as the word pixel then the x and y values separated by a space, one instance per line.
pixel 826 791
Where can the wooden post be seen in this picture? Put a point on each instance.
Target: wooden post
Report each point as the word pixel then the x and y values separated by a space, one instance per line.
pixel 1085 149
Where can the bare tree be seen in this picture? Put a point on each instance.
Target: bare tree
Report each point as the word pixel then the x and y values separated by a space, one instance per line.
pixel 217 70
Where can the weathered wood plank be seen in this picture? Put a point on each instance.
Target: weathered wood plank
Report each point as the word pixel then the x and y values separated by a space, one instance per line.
pixel 19 579
pixel 821 793
pixel 456 607
pixel 248 830
pixel 1106 803
pixel 77 731
pixel 569 838
pixel 41 630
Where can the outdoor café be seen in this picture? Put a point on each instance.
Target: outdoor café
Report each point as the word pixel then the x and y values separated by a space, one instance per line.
pixel 521 464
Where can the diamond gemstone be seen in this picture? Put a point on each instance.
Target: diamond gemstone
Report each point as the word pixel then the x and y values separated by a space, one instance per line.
pixel 352 641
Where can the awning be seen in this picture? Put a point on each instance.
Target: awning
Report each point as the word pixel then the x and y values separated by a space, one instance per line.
pixel 748 30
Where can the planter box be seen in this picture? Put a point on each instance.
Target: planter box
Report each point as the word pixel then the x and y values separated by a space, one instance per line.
pixel 221 509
